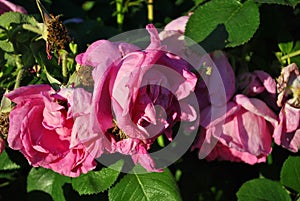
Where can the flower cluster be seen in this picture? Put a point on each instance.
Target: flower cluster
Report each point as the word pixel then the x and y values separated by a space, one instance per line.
pixel 134 101
pixel 131 96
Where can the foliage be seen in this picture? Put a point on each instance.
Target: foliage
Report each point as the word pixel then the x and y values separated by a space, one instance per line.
pixel 255 34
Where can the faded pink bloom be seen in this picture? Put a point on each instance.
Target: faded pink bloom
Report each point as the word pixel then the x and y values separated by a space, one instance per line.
pixel 42 125
pixel 287 132
pixel 137 95
pixel 246 131
pixel 6 6
pixel 258 84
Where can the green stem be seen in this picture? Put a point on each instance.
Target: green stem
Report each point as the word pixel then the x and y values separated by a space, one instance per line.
pixel 64 66
pixel 4 184
pixel 150 11
pixel 120 14
pixel 20 72
pixel 293 54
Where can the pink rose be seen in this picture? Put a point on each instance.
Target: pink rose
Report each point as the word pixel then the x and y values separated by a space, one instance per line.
pixel 287 132
pixel 42 128
pixel 138 95
pixel 6 6
pixel 246 131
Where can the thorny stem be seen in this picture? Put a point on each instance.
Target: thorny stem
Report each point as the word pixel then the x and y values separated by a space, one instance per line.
pixel 150 11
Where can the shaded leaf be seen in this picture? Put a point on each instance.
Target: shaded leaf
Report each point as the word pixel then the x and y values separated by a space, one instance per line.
pixel 46 180
pixel 6 163
pixel 262 189
pixel 290 173
pixel 282 2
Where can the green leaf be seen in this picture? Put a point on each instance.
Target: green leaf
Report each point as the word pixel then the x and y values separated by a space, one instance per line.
pixel 146 187
pixel 262 189
pixel 17 18
pixel 97 181
pixel 198 1
pixel 6 46
pixel 51 79
pixel 5 105
pixel 282 2
pixel 290 173
pixel 47 181
pixel 287 47
pixel 241 21
pixel 6 163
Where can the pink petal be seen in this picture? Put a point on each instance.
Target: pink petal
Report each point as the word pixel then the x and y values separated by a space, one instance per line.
pixel 30 92
pixel 101 51
pixel 268 82
pixel 178 24
pixel 257 107
pixel 154 38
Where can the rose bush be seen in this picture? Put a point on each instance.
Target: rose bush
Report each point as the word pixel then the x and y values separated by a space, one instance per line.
pixel 43 125
pixel 138 95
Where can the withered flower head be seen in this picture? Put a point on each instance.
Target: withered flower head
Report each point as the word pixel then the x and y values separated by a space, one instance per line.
pixel 288 86
pixel 55 32
pixel 57 36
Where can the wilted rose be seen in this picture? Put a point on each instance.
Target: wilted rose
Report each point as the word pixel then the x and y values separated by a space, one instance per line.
pixel 287 132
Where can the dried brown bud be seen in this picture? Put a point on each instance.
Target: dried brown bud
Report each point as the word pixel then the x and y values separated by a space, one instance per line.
pixel 4 124
pixel 57 35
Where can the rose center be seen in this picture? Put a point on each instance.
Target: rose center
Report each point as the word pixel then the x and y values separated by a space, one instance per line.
pixel 117 132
